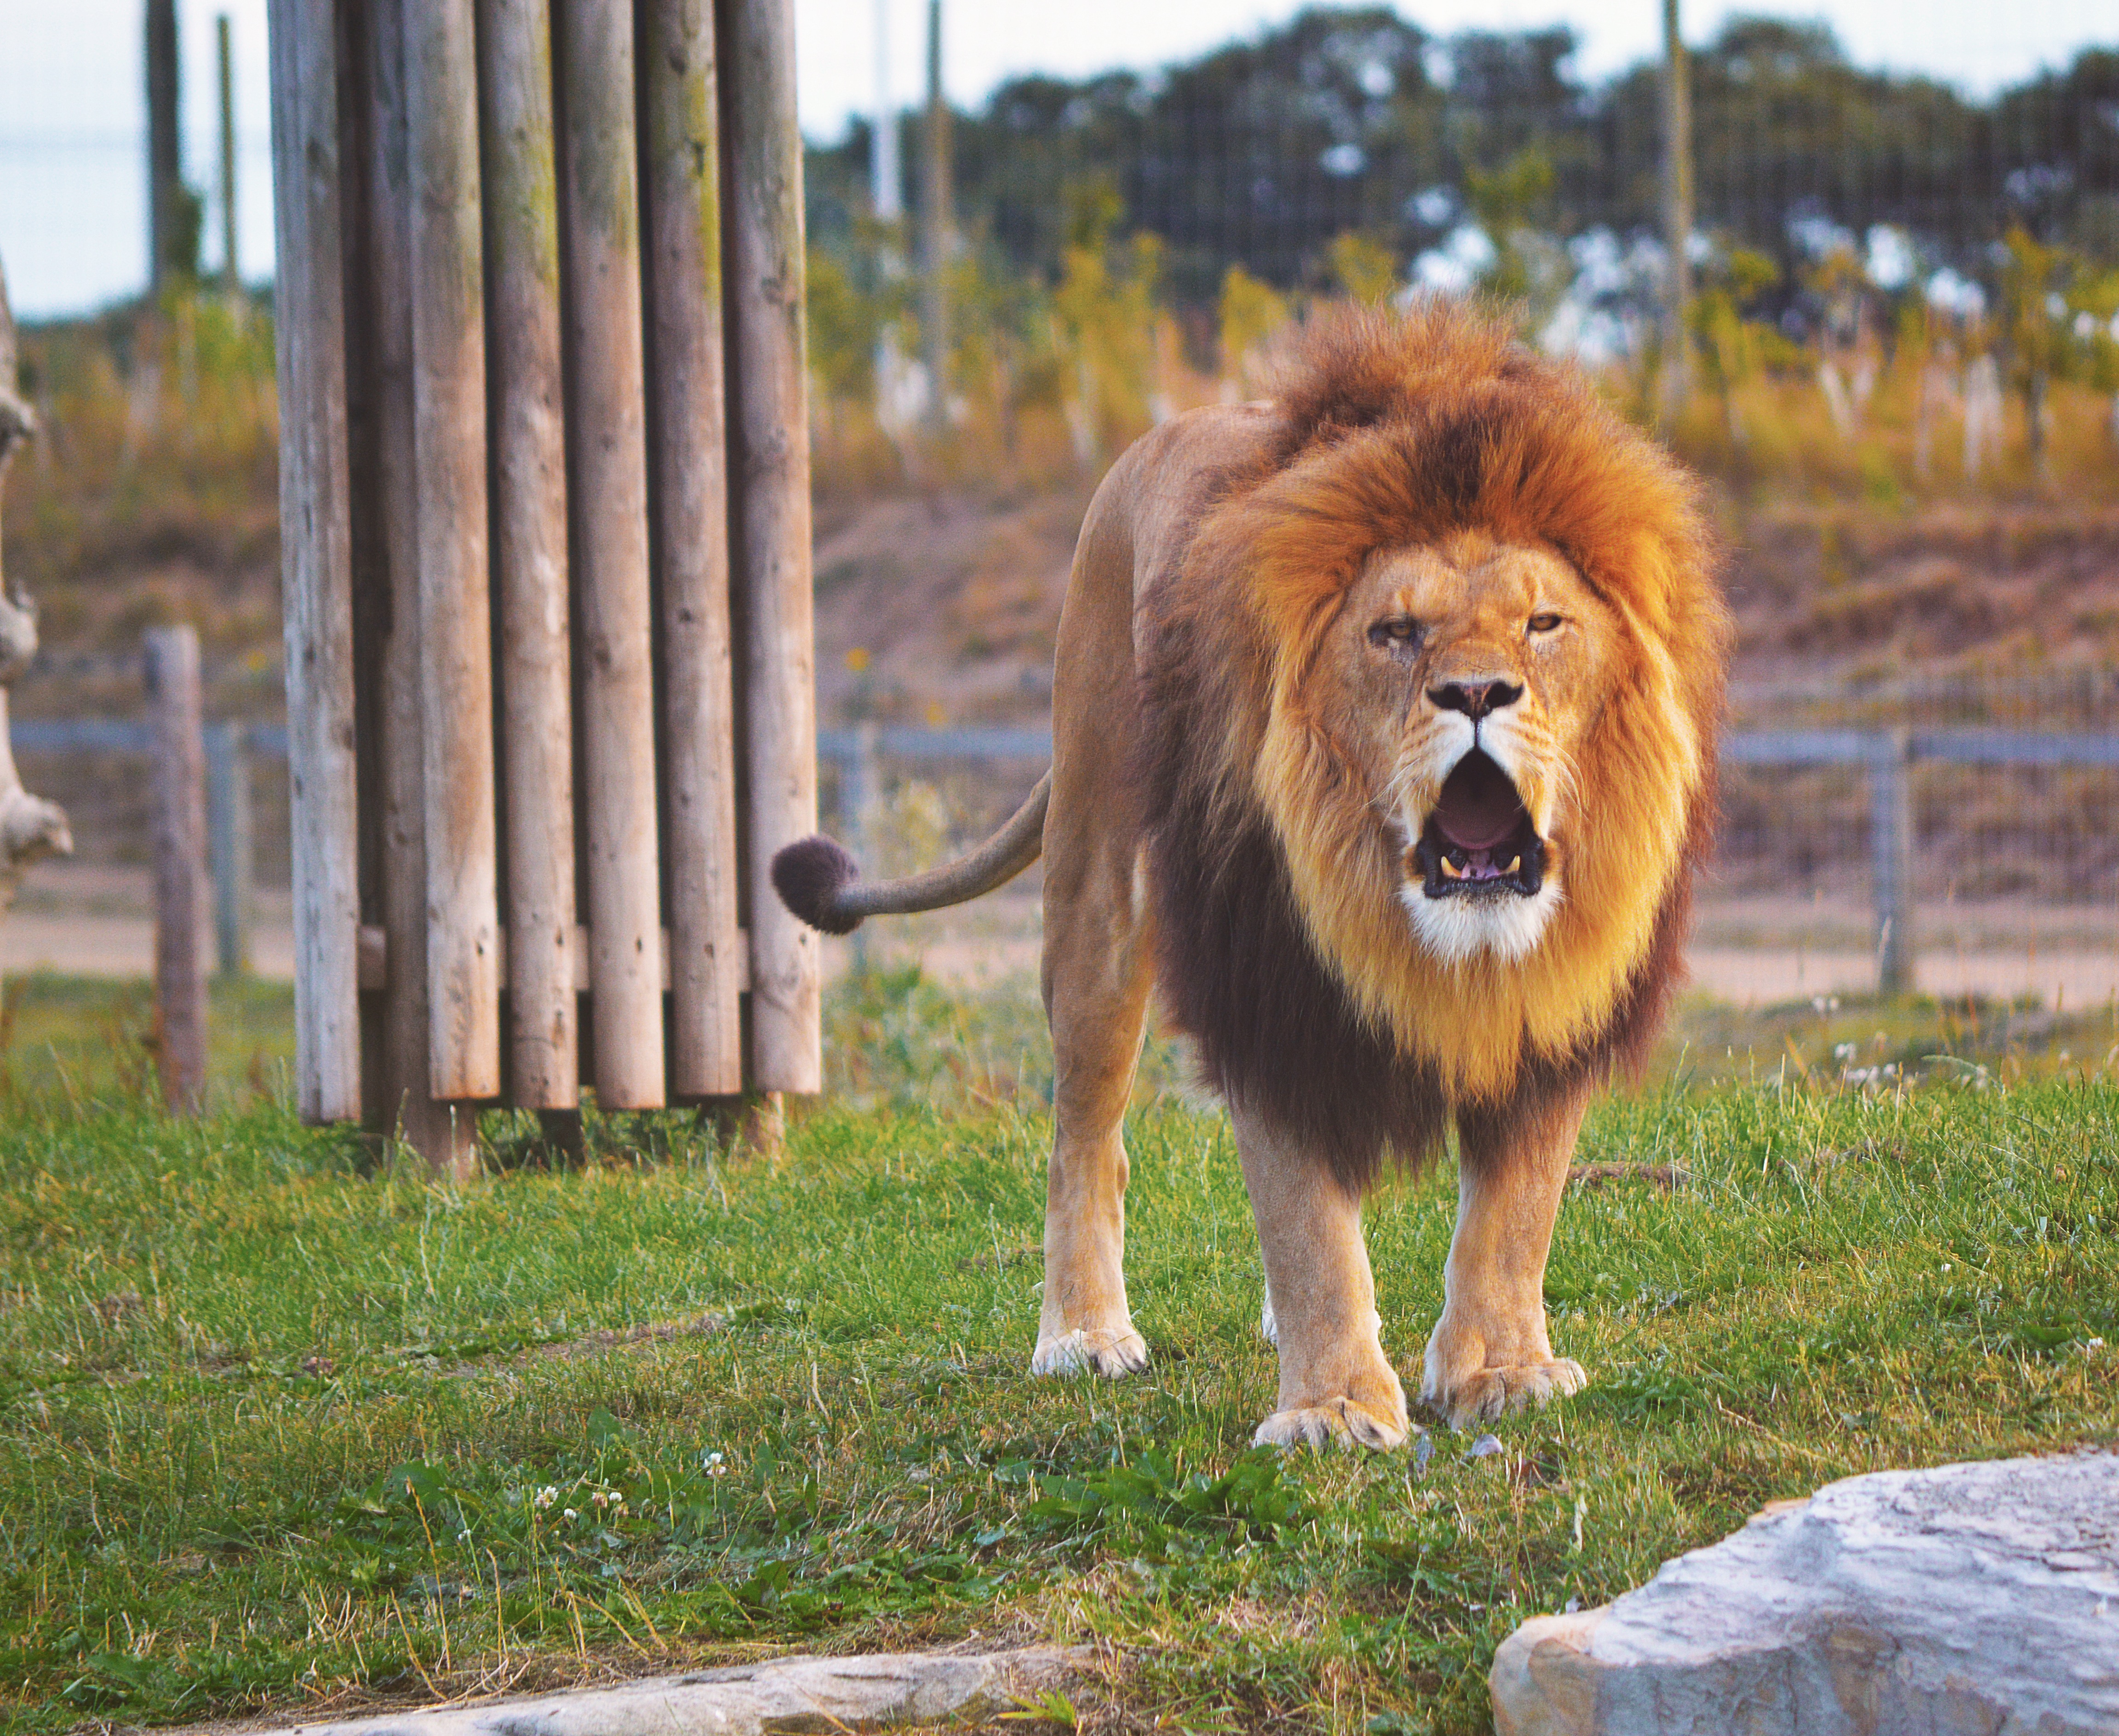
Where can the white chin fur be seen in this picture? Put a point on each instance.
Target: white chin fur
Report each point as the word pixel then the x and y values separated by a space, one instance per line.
pixel 1458 929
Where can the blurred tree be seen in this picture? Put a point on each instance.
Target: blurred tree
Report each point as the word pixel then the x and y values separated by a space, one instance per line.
pixel 1250 312
pixel 1364 268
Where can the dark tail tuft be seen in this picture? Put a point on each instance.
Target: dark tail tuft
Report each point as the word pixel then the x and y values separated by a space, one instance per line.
pixel 809 876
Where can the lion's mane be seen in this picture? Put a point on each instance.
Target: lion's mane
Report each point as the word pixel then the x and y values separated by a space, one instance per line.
pixel 1283 949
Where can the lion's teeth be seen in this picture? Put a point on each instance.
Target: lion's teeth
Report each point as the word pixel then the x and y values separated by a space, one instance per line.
pixel 1451 872
pixel 1514 863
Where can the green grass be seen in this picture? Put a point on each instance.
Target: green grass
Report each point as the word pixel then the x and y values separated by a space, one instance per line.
pixel 279 1429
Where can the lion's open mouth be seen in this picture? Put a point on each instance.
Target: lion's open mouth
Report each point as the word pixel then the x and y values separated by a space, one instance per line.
pixel 1480 841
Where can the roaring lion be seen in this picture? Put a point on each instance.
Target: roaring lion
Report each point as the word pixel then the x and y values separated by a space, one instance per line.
pixel 1383 746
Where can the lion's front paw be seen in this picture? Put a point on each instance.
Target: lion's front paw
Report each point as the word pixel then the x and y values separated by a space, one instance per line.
pixel 1487 1393
pixel 1342 1422
pixel 1091 1351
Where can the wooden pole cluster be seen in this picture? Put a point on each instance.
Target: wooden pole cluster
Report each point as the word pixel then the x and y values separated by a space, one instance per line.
pixel 545 514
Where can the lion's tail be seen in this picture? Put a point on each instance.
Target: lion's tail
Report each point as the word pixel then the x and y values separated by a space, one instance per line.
pixel 820 883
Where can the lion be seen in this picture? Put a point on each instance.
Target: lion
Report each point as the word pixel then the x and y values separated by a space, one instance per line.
pixel 1384 748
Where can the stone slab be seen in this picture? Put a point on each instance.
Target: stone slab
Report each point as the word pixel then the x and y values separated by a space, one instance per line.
pixel 1973 1600
pixel 785 1696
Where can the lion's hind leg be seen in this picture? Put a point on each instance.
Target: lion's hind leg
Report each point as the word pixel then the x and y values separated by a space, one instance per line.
pixel 1097 971
pixel 1490 1354
pixel 1336 1385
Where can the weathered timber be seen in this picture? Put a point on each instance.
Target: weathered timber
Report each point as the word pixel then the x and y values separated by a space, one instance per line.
pixel 31 827
pixel 400 1097
pixel 449 435
pixel 530 549
pixel 770 506
pixel 179 805
pixel 682 196
pixel 315 562
pixel 607 454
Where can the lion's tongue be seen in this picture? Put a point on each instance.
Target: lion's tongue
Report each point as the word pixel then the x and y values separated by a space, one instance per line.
pixel 1479 807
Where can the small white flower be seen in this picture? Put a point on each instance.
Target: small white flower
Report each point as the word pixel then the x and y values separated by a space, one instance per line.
pixel 601 1498
pixel 569 1515
pixel 463 1537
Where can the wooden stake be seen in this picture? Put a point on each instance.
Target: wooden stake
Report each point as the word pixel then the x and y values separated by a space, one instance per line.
pixel 937 225
pixel 683 202
pixel 530 549
pixel 400 1103
pixel 180 875
pixel 231 267
pixel 315 559
pixel 770 499
pixel 1677 208
pixel 606 440
pixel 448 431
pixel 229 847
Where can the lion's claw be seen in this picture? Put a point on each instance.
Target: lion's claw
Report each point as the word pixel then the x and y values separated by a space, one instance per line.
pixel 1491 1393
pixel 1099 1351
pixel 1342 1421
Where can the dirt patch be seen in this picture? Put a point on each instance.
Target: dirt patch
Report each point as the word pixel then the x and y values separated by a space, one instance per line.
pixel 1967 585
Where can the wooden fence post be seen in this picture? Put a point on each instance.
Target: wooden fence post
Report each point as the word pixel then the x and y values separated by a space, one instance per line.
pixel 770 497
pixel 456 643
pixel 316 555
pixel 400 1103
pixel 687 400
pixel 1891 844
pixel 530 550
pixel 180 902
pixel 227 841
pixel 607 451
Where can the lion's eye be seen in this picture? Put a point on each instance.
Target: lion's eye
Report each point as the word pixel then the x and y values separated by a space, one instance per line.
pixel 1543 623
pixel 1398 633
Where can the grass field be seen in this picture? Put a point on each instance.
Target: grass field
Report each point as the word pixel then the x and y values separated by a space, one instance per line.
pixel 279 1428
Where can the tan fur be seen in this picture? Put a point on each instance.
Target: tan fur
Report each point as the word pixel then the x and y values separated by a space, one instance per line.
pixel 1269 556
pixel 1577 483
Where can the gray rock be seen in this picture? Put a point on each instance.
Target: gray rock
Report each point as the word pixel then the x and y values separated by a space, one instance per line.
pixel 1968 1601
pixel 791 1695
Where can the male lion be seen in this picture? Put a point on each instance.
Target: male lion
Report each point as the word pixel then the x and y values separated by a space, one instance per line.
pixel 1383 744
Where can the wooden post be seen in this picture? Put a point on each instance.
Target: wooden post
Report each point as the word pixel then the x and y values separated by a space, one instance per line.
pixel 449 432
pixel 937 221
pixel 227 846
pixel 1891 844
pixel 770 497
pixel 530 549
pixel 168 232
pixel 687 405
pixel 860 789
pixel 231 269
pixel 315 556
pixel 607 442
pixel 1676 210
pixel 401 1098
pixel 180 882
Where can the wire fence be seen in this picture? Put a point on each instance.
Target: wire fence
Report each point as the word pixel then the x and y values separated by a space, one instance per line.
pixel 1856 854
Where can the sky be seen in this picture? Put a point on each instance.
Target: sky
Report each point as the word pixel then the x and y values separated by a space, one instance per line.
pixel 72 178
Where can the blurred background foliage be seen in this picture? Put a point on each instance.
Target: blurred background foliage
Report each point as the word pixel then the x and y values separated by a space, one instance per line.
pixel 1127 245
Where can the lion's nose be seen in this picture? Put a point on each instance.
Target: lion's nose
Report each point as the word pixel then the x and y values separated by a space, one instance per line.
pixel 1475 699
